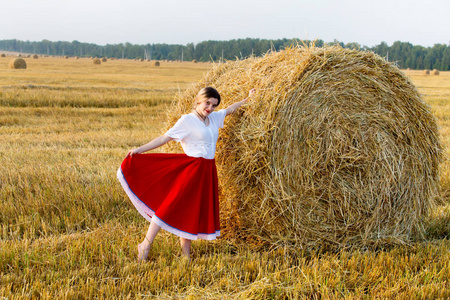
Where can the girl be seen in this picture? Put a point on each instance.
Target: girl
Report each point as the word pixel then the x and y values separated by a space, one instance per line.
pixel 178 192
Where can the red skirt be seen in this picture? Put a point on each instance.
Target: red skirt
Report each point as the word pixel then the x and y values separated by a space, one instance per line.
pixel 176 191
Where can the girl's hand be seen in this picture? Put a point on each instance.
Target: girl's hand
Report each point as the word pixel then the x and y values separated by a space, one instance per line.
pixel 133 152
pixel 251 93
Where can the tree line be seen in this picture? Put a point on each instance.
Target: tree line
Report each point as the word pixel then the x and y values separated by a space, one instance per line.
pixel 405 54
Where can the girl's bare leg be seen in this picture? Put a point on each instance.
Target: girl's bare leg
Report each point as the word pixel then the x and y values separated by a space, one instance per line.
pixel 186 247
pixel 144 247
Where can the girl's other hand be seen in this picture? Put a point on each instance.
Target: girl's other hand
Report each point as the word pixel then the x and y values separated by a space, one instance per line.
pixel 132 152
pixel 251 93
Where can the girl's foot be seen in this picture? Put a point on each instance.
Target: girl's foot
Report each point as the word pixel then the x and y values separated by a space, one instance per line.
pixel 186 259
pixel 143 252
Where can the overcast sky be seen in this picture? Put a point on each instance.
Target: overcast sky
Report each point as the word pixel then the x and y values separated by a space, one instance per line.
pixel 103 22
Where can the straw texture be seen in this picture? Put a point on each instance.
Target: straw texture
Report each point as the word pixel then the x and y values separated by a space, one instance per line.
pixel 337 149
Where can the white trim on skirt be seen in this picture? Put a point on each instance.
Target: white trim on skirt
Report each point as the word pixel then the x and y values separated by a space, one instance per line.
pixel 150 216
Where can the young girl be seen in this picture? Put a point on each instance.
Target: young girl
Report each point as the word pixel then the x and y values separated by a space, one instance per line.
pixel 178 192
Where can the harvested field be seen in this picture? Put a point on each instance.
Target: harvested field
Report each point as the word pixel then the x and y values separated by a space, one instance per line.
pixel 68 230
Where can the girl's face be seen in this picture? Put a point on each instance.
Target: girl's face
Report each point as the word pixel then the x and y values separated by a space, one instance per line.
pixel 207 107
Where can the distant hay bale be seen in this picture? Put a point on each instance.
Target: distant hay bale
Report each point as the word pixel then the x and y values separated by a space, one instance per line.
pixel 194 61
pixel 408 69
pixel 104 59
pixel 426 72
pixel 76 57
pixel 435 72
pixel 66 57
pixel 156 64
pixel 35 56
pixel 3 55
pixel 141 59
pixel 96 61
pixel 337 149
pixel 19 55
pixel 17 63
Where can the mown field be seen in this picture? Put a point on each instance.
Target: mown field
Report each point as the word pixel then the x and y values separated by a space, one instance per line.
pixel 69 232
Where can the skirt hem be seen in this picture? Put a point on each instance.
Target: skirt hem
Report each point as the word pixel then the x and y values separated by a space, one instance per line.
pixel 150 216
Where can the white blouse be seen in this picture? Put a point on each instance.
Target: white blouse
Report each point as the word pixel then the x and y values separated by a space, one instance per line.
pixel 197 139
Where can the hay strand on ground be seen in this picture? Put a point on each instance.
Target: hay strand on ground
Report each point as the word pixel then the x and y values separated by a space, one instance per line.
pixel 337 149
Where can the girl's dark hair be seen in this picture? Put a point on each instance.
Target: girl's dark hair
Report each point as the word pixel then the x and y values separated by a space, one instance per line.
pixel 206 93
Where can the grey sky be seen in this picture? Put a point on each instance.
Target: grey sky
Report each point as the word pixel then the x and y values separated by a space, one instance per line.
pixel 180 21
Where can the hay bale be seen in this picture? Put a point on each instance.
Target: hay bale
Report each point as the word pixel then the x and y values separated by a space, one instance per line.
pixel 96 61
pixel 3 55
pixel 17 63
pixel 337 149
pixel 435 72
pixel 104 59
pixel 35 56
pixel 156 64
pixel 194 61
pixel 426 72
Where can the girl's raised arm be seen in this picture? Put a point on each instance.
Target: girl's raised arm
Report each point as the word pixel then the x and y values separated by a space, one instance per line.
pixel 232 108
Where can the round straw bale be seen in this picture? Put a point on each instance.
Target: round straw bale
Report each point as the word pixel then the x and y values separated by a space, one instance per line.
pixel 96 61
pixel 435 72
pixel 3 55
pixel 426 72
pixel 337 149
pixel 104 59
pixel 66 57
pixel 156 64
pixel 194 61
pixel 17 63
pixel 35 56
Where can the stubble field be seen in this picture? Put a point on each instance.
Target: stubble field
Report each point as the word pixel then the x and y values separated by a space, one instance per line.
pixel 69 232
